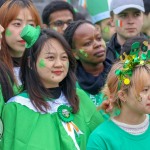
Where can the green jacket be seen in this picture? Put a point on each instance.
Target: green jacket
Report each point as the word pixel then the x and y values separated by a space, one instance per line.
pixel 25 128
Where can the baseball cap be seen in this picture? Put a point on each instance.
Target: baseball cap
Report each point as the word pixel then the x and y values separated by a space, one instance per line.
pixel 117 6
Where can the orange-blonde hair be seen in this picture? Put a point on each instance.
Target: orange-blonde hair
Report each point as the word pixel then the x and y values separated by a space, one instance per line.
pixel 139 78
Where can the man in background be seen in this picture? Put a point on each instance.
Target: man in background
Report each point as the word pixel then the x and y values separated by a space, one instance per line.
pixel 127 17
pixel 57 15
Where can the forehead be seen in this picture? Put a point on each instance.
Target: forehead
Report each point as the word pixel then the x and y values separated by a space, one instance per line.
pixel 104 22
pixel 61 15
pixel 86 30
pixel 52 45
pixel 24 14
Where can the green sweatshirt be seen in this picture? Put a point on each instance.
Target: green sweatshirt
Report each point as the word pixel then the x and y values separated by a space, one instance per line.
pixel 108 136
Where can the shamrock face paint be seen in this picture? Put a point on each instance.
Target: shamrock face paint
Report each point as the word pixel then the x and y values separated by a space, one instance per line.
pixel 106 29
pixel 42 63
pixel 83 53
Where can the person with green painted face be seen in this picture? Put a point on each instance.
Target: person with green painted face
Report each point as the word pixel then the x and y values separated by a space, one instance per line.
pixel 57 15
pixel 127 17
pixel 128 89
pixel 14 16
pixel 90 52
pixel 52 114
pixel 100 15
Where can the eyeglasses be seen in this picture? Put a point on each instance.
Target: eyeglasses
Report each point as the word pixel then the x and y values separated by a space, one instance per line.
pixel 61 23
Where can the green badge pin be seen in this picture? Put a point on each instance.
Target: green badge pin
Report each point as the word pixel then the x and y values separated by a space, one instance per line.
pixel 65 113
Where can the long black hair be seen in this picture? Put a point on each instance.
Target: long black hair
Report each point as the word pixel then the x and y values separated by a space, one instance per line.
pixel 6 82
pixel 31 80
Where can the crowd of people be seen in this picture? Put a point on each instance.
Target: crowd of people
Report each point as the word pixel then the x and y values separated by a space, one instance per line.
pixel 68 83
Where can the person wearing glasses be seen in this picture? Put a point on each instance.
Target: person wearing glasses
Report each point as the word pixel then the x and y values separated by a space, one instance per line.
pixel 57 15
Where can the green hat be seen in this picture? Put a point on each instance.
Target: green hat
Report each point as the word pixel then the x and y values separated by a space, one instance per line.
pixel 30 34
pixel 98 10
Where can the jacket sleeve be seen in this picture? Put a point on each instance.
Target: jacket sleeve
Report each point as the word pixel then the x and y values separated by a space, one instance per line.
pixel 92 117
pixel 8 118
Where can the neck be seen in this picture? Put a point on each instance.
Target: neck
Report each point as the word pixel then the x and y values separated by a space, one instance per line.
pixel 94 69
pixel 120 40
pixel 16 54
pixel 133 119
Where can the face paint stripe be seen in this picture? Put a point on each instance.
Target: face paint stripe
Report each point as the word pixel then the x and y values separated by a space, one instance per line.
pixel 119 23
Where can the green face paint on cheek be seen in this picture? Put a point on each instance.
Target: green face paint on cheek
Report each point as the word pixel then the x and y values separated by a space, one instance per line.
pixel 83 53
pixel 54 28
pixel 8 32
pixel 42 63
pixel 106 29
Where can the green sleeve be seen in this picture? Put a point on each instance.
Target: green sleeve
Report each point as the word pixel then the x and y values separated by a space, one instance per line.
pixel 92 117
pixel 8 117
pixel 95 142
pixel 1 101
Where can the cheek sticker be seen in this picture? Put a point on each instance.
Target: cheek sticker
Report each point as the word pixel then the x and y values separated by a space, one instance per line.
pixel 54 28
pixel 42 63
pixel 119 23
pixel 8 32
pixel 83 53
pixel 106 29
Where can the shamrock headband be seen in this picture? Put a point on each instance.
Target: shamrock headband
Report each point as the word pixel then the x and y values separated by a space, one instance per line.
pixel 131 61
pixel 30 34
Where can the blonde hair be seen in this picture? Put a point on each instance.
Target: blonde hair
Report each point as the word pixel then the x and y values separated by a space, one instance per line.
pixel 141 73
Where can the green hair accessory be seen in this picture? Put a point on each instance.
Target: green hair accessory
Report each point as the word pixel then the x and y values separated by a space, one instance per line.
pixel 131 61
pixel 30 34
